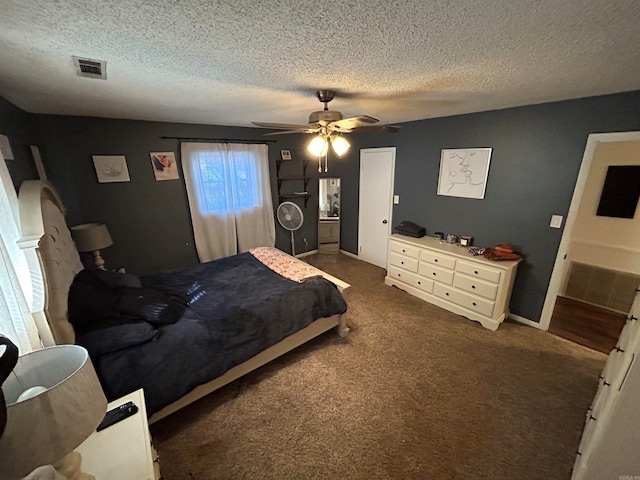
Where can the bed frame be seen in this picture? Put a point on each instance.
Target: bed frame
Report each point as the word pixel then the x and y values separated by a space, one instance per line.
pixel 54 262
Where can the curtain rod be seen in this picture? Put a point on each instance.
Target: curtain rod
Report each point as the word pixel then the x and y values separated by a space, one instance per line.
pixel 219 140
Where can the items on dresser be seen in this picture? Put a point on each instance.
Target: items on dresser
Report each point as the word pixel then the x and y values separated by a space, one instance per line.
pixel 466 240
pixel 610 439
pixel 447 276
pixel 411 229
pixel 451 238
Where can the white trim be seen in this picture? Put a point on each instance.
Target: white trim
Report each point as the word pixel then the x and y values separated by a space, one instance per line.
pixel 306 254
pixel 608 247
pixel 558 268
pixel 525 321
pixel 349 254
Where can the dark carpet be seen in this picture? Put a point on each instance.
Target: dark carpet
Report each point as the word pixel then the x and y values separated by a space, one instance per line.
pixel 414 392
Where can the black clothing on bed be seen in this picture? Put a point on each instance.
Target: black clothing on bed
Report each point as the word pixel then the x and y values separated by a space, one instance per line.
pixel 236 307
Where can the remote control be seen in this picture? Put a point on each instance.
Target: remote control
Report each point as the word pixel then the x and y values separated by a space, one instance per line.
pixel 119 413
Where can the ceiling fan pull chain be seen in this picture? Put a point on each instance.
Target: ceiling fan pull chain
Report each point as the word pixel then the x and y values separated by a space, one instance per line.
pixel 326 163
pixel 319 164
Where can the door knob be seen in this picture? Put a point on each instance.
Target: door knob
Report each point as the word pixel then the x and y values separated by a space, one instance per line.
pixel 384 221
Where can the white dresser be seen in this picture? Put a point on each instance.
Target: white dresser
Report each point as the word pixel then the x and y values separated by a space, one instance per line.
pixel 611 436
pixel 448 276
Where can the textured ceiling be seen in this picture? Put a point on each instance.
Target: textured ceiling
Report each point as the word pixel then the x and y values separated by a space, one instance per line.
pixel 233 62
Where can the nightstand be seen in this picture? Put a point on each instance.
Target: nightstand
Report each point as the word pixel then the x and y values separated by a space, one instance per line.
pixel 122 451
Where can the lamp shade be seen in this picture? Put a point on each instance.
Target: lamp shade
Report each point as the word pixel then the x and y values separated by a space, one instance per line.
pixel 66 407
pixel 90 237
pixel 318 146
pixel 340 145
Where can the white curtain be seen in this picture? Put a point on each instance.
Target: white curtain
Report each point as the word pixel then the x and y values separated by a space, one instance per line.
pixel 229 192
pixel 16 321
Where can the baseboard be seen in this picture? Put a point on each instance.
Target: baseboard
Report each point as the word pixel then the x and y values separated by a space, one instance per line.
pixel 526 321
pixel 306 254
pixel 349 254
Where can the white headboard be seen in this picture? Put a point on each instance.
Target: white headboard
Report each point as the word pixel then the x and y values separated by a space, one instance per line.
pixel 52 256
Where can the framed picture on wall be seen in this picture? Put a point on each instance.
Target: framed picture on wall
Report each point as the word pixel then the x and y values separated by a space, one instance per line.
pixel 164 165
pixel 111 168
pixel 285 154
pixel 464 172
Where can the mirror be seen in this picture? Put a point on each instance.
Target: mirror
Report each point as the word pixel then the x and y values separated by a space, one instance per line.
pixel 329 215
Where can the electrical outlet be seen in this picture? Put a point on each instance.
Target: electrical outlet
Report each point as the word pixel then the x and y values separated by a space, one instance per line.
pixel 556 221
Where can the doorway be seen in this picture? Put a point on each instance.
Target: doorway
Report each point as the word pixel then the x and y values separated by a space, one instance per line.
pixel 598 255
pixel 329 216
pixel 377 169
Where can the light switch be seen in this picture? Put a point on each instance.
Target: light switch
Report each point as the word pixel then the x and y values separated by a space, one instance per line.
pixel 396 199
pixel 556 221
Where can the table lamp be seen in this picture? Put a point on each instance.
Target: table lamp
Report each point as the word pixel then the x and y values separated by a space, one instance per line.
pixel 54 402
pixel 92 237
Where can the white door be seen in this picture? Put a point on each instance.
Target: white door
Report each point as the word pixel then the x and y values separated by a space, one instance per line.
pixel 377 167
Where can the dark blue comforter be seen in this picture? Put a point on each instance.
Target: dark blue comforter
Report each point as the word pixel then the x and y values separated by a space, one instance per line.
pixel 237 307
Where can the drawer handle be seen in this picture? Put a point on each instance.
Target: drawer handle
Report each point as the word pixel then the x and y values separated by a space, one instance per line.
pixel 435 260
pixel 419 283
pixel 473 303
pixel 403 250
pixel 434 273
pixel 399 275
pixel 475 271
pixel 446 293
pixel 401 263
pixel 473 286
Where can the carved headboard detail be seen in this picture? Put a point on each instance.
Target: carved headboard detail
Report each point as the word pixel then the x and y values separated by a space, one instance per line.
pixel 52 256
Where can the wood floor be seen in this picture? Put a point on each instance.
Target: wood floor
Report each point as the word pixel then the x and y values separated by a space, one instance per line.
pixel 588 325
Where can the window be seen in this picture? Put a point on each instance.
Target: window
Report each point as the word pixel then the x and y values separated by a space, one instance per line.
pixel 228 186
pixel 229 194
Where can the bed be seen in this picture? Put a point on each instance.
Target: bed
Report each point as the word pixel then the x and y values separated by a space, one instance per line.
pixel 220 320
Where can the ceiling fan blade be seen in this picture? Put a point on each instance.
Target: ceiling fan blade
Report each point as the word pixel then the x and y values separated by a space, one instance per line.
pixel 283 126
pixel 379 128
pixel 285 132
pixel 353 122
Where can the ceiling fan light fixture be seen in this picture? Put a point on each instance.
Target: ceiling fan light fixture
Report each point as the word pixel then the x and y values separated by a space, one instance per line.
pixel 340 145
pixel 318 146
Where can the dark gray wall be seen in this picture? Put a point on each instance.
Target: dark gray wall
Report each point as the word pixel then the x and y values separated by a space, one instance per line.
pixel 537 152
pixel 149 220
pixel 18 126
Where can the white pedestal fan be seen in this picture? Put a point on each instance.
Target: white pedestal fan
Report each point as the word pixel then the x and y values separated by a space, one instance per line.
pixel 290 216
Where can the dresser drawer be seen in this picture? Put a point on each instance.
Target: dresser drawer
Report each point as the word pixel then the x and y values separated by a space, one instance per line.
pixel 475 285
pixel 402 261
pixel 483 307
pixel 412 279
pixel 436 273
pixel 479 271
pixel 405 249
pixel 436 258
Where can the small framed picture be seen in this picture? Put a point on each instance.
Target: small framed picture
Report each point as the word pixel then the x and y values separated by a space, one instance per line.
pixel 111 168
pixel 285 154
pixel 164 165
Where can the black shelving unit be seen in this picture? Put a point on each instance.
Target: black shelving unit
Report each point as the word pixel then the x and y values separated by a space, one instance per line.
pixel 304 179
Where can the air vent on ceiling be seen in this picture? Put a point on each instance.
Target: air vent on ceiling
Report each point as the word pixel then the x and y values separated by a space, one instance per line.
pixel 87 67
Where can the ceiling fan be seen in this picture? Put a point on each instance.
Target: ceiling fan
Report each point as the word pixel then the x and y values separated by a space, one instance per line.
pixel 329 125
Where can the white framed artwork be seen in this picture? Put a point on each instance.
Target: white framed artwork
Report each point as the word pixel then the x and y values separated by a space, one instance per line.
pixel 164 165
pixel 464 172
pixel 111 168
pixel 285 154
